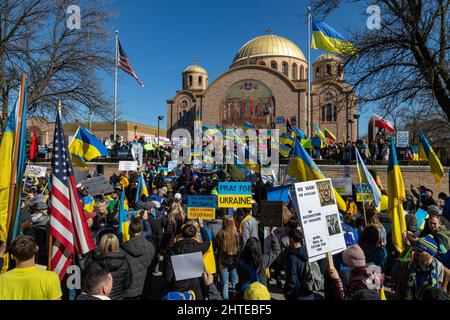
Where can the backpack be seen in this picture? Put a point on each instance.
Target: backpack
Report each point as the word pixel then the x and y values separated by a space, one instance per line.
pixel 443 240
pixel 313 279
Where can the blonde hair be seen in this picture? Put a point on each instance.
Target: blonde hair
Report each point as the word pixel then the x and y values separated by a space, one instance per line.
pixel 228 237
pixel 176 210
pixel 109 243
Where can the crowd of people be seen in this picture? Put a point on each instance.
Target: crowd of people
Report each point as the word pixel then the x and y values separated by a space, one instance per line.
pixel 252 261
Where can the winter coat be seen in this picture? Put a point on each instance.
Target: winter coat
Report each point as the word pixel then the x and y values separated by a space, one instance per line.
pixel 358 281
pixel 215 227
pixel 186 246
pixel 140 253
pixel 171 230
pixel 118 265
pixel 249 230
pixel 295 271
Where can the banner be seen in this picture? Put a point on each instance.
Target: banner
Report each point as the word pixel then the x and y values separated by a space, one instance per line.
pixel 343 186
pixel 235 195
pixel 128 166
pixel 138 153
pixel 402 139
pixel 202 207
pixel 364 193
pixel 97 186
pixel 35 172
pixel 172 165
pixel 319 216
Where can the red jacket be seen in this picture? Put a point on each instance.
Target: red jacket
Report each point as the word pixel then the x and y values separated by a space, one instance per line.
pixel 359 280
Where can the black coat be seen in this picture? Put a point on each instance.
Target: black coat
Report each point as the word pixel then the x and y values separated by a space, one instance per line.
pixel 186 246
pixel 295 271
pixel 140 253
pixel 86 297
pixel 118 265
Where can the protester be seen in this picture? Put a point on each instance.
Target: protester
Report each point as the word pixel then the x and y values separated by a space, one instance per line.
pixel 98 285
pixel 227 245
pixel 175 220
pixel 371 244
pixel 248 227
pixel 26 281
pixel 446 208
pixel 108 256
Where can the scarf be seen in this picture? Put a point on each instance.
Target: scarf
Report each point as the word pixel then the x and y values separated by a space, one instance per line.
pixel 414 289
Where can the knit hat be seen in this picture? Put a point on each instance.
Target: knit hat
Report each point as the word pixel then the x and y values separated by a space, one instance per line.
pixel 354 257
pixel 178 196
pixel 427 244
pixel 256 291
pixel 174 296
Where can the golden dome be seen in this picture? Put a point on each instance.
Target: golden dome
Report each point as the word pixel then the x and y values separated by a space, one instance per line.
pixel 269 45
pixel 328 57
pixel 196 69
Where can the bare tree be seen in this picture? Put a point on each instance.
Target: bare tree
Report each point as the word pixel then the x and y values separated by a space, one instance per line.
pixel 405 62
pixel 60 62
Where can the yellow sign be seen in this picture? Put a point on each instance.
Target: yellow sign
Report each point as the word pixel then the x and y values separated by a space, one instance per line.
pixel 202 213
pixel 235 201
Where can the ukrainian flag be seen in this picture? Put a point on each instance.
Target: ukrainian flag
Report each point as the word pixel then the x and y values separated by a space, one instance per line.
pixel 124 224
pixel 284 150
pixel 299 133
pixel 88 204
pixel 304 168
pixel 435 163
pixel 321 135
pixel 142 189
pixel 85 147
pixel 248 125
pixel 366 178
pixel 286 139
pixel 396 194
pixel 327 39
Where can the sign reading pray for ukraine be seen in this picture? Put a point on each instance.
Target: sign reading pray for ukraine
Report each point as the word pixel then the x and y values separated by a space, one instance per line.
pixel 235 195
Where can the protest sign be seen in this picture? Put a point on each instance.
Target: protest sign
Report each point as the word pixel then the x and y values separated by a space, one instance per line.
pixel 165 171
pixel 402 139
pixel 364 193
pixel 279 194
pixel 343 186
pixel 188 266
pixel 235 195
pixel 421 216
pixel 172 165
pixel 128 166
pixel 35 171
pixel 97 186
pixel 319 216
pixel 123 154
pixel 138 153
pixel 271 214
pixel 202 207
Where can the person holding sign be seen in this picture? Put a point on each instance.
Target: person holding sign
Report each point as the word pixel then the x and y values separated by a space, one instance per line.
pixel 361 278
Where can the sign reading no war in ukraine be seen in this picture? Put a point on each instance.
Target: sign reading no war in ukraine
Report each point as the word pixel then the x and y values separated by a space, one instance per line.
pixel 236 188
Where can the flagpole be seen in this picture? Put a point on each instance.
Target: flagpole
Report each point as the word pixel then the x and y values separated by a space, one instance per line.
pixel 12 212
pixel 309 107
pixel 360 183
pixel 116 62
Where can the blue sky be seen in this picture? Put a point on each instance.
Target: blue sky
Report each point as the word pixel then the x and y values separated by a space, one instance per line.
pixel 163 37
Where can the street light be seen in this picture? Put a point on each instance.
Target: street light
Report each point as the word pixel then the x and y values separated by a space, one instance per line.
pixel 135 132
pixel 357 116
pixel 160 118
pixel 90 120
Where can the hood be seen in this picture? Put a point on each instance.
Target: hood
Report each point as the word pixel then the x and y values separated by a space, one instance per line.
pixel 299 252
pixel 111 261
pixel 137 246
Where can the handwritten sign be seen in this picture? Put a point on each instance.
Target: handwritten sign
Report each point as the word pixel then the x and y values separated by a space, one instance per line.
pixel 128 165
pixel 35 171
pixel 364 193
pixel 97 186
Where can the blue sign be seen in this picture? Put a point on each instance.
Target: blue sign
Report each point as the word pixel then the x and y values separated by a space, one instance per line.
pixel 202 201
pixel 421 216
pixel 235 188
pixel 123 154
pixel 279 194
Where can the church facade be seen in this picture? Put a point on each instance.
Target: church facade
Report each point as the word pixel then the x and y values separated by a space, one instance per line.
pixel 267 85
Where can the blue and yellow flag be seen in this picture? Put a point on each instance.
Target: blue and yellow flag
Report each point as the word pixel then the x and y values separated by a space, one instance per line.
pixel 142 189
pixel 85 147
pixel 299 133
pixel 287 139
pixel 366 178
pixel 305 169
pixel 436 166
pixel 322 136
pixel 88 204
pixel 248 125
pixel 396 195
pixel 327 39
pixel 124 224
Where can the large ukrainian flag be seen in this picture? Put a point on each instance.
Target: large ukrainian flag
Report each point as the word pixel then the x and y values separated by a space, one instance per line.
pixel 85 147
pixel 124 224
pixel 142 189
pixel 396 194
pixel 304 169
pixel 327 39
pixel 436 166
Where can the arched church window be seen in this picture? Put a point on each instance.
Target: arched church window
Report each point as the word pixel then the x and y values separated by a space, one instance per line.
pixel 274 65
pixel 284 69
pixel 190 81
pixel 262 63
pixel 200 80
pixel 317 72
pixel 335 113
pixel 294 72
pixel 302 70
pixel 329 113
pixel 328 70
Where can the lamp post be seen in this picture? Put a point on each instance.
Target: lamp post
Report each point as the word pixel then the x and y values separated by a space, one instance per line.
pixel 90 120
pixel 357 116
pixel 160 118
pixel 135 132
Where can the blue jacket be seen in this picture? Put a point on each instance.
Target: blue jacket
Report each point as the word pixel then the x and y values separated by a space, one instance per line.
pixel 446 210
pixel 295 271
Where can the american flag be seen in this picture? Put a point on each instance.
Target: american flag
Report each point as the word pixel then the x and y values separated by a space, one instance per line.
pixel 68 226
pixel 125 64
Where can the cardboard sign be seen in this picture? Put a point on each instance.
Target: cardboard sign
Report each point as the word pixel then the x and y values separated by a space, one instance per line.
pixel 343 186
pixel 172 165
pixel 271 214
pixel 97 186
pixel 364 193
pixel 403 139
pixel 138 153
pixel 123 153
pixel 235 188
pixel 319 217
pixel 421 216
pixel 188 266
pixel 202 207
pixel 235 201
pixel 35 171
pixel 128 166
